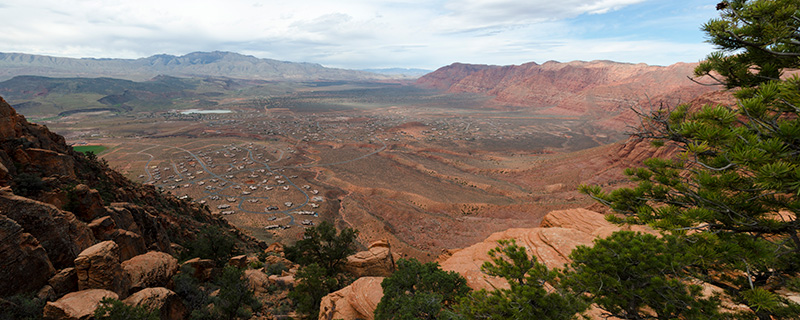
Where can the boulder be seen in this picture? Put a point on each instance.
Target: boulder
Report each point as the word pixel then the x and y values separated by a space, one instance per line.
pixel 87 204
pixel 102 226
pixel 283 281
pixel 130 244
pixel 238 261
pixel 77 305
pixel 23 261
pixel 278 259
pixel 377 261
pixel 203 268
pixel 275 248
pixel 65 281
pixel 47 293
pixel 168 303
pixel 356 301
pixel 145 224
pixel 152 269
pixel 98 267
pixel 61 235
pixel 258 282
pixel 551 246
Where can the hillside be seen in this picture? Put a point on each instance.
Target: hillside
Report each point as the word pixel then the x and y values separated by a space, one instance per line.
pixel 602 90
pixel 56 204
pixel 196 64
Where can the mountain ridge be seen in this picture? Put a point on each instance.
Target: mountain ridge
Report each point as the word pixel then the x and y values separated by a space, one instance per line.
pixel 195 64
pixel 600 89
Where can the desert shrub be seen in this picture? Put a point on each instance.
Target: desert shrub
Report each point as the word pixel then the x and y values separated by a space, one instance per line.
pixel 211 243
pixel 325 247
pixel 28 184
pixel 255 265
pixel 189 288
pixel 235 300
pixel 419 291
pixel 113 309
pixel 275 268
pixel 23 307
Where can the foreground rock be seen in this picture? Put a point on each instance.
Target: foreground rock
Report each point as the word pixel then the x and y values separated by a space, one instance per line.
pixel 356 301
pixel 168 303
pixel 152 269
pixel 59 232
pixel 24 263
pixel 77 305
pixel 551 246
pixel 377 261
pixel 98 267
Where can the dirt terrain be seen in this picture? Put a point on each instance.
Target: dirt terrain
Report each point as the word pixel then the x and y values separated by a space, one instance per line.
pixel 427 170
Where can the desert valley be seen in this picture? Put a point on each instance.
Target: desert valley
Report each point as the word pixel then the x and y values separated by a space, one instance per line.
pixel 220 185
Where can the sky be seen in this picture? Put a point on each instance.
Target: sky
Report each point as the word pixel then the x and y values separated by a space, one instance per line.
pixel 361 34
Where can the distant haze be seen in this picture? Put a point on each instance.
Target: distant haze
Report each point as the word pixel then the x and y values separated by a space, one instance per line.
pixel 196 64
pixel 365 34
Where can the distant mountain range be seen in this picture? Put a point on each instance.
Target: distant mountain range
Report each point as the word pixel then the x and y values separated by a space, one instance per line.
pixel 196 64
pixel 602 90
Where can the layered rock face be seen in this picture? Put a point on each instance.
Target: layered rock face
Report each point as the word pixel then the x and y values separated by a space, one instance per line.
pixel 22 254
pixel 601 89
pixel 561 231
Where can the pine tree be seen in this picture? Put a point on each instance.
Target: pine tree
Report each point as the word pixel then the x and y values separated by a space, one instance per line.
pixel 733 192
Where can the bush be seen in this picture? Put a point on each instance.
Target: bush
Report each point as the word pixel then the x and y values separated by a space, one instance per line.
pixel 275 268
pixel 235 299
pixel 22 307
pixel 28 184
pixel 419 291
pixel 189 289
pixel 113 309
pixel 211 243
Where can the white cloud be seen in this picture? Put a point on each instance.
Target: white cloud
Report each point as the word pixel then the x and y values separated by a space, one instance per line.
pixel 345 33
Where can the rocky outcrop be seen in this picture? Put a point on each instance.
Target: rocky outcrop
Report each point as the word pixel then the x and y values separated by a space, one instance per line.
pixel 203 268
pixel 24 263
pixel 152 269
pixel 61 234
pixel 239 261
pixel 168 303
pixel 356 301
pixel 98 267
pixel 377 261
pixel 65 281
pixel 78 305
pixel 602 89
pixel 87 203
pixel 551 246
pixel 144 223
pixel 46 162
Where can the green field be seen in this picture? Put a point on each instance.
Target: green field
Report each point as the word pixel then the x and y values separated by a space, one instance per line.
pixel 93 149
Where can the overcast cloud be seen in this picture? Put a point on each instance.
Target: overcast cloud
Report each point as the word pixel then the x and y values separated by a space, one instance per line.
pixel 360 34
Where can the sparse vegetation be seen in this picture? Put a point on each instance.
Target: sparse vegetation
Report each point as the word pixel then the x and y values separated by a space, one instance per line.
pixel 22 307
pixel 419 291
pixel 28 184
pixel 113 309
pixel 211 243
pixel 535 292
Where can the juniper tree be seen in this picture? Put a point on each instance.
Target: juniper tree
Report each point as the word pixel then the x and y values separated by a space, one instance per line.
pixel 733 192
